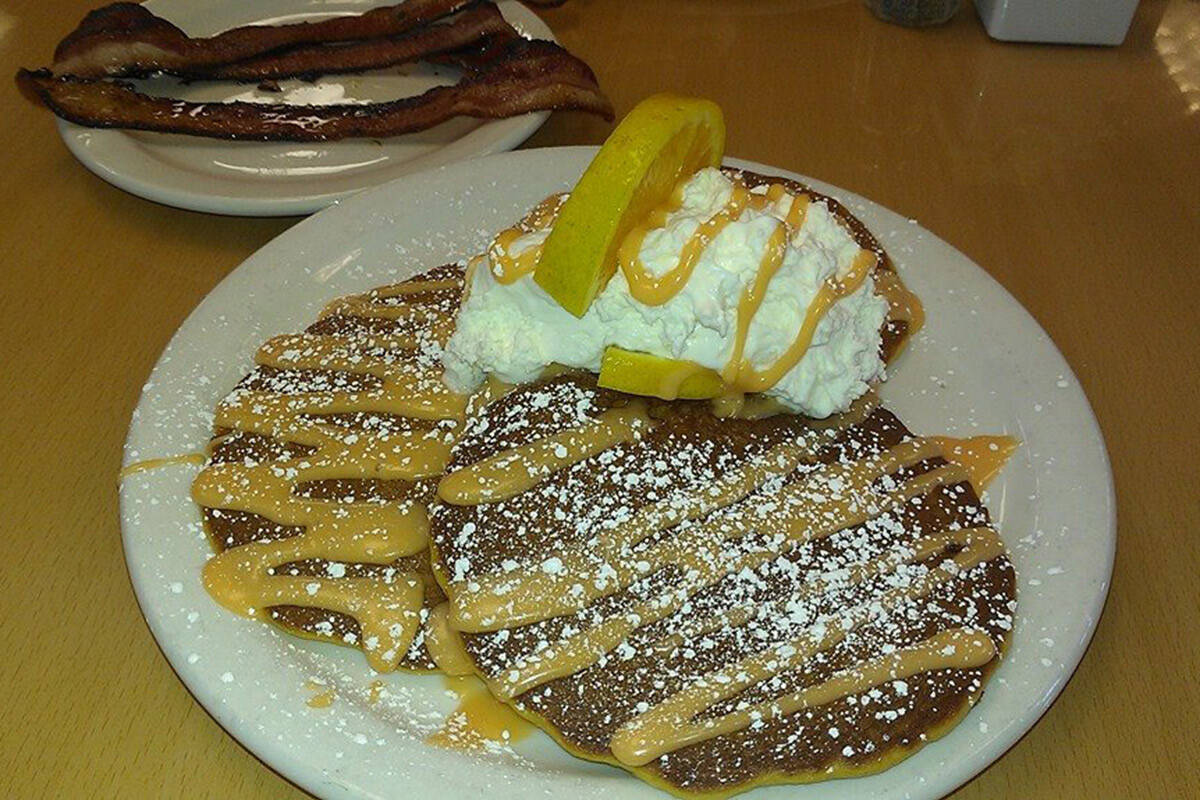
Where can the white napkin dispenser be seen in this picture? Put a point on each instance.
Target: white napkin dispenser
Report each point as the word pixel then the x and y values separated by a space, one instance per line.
pixel 1060 21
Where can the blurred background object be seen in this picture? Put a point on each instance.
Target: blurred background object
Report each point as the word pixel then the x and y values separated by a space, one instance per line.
pixel 1177 42
pixel 1061 21
pixel 915 13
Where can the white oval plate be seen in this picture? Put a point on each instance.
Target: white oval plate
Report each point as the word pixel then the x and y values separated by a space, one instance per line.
pixel 981 365
pixel 285 178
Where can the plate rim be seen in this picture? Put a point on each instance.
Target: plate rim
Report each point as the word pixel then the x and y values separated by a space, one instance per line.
pixel 291 769
pixel 502 135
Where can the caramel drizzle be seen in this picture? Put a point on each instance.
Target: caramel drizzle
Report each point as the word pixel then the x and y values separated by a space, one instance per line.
pixel 444 644
pixel 671 726
pixel 517 470
pixel 736 405
pixel 401 388
pixel 833 497
pixel 652 290
pixel 526 595
pixel 671 386
pixel 324 697
pixel 499 600
pixel 479 614
pixel 158 463
pixel 981 456
pixel 704 567
pixel 745 377
pixel 245 579
pixel 655 290
pixel 479 719
pixel 903 304
pixel 738 374
pixel 752 298
pixel 375 305
pixel 508 268
pixel 909 553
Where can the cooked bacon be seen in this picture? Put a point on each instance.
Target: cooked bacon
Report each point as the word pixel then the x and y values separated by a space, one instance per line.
pixel 475 56
pixel 126 39
pixel 468 26
pixel 526 76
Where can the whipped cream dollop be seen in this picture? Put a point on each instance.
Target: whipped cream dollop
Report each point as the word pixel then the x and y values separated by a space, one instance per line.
pixel 514 330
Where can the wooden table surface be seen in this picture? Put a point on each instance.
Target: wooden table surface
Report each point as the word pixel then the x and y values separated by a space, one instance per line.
pixel 1072 174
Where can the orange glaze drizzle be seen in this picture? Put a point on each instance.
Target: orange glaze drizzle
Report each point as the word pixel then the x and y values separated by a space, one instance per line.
pixel 850 494
pixel 656 290
pixel 752 298
pixel 903 304
pixel 522 596
pixel 157 463
pixel 375 305
pixel 480 718
pixel 739 376
pixel 652 290
pixel 444 644
pixel 248 579
pixel 981 456
pixel 513 471
pixel 324 697
pixel 508 268
pixel 745 377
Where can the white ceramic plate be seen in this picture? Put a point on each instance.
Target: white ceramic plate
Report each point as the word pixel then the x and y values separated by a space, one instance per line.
pixel 284 178
pixel 981 365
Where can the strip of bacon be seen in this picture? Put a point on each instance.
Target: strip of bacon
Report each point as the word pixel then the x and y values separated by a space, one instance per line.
pixel 478 54
pixel 526 76
pixel 465 28
pixel 126 39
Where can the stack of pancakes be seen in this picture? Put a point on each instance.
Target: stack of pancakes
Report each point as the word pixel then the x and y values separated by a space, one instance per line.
pixel 719 603
pixel 712 604
pixel 361 388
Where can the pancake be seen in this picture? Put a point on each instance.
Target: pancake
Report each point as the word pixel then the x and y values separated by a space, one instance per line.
pixel 369 369
pixel 323 461
pixel 716 604
pixel 328 466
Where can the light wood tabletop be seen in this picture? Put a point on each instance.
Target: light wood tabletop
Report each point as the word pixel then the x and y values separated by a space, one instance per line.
pixel 1071 174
